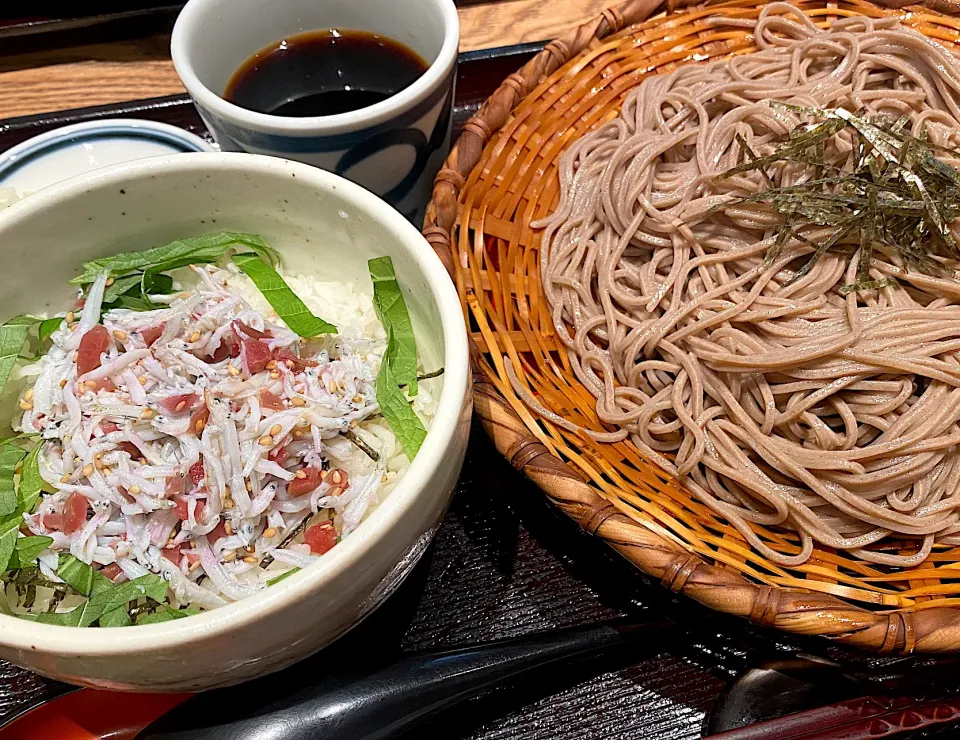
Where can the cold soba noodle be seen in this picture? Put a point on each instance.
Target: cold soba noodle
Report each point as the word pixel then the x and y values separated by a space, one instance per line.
pixel 774 399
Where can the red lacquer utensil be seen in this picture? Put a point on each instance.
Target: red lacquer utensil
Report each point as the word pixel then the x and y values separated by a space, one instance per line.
pixel 88 714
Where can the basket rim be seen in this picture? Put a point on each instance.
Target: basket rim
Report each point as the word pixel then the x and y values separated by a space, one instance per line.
pixel 795 610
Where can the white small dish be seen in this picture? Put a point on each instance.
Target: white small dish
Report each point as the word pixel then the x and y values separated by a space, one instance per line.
pixel 80 148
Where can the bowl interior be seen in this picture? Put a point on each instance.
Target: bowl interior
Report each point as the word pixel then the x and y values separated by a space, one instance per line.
pixel 318 230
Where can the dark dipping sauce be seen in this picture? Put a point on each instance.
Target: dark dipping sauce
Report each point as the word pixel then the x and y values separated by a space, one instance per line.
pixel 322 73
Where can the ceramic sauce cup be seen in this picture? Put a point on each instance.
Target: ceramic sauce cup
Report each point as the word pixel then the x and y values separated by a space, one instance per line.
pixel 393 148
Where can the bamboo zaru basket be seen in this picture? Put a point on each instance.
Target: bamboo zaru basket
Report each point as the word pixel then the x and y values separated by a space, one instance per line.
pixel 500 177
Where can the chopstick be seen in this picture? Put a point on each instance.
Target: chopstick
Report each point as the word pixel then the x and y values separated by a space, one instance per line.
pixel 866 718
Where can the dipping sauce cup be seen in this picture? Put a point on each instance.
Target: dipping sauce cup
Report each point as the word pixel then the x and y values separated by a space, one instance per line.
pixel 393 148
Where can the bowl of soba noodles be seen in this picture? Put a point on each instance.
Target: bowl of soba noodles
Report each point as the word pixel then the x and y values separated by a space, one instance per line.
pixel 739 228
pixel 235 403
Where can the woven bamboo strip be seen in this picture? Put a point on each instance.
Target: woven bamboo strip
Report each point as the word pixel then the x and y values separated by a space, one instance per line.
pixel 500 177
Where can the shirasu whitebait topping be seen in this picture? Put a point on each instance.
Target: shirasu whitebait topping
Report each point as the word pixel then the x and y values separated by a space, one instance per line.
pixel 197 441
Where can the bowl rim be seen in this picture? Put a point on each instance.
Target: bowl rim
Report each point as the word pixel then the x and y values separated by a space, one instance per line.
pixel 82 642
pixel 310 126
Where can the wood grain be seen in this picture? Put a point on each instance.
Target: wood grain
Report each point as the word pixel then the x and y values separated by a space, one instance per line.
pixel 111 73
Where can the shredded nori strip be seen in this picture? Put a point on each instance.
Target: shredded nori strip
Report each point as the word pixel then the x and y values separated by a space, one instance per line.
pixel 364 447
pixel 297 531
pixel 899 196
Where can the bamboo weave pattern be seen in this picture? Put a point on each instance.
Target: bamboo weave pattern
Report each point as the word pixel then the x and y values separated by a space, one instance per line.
pixel 501 177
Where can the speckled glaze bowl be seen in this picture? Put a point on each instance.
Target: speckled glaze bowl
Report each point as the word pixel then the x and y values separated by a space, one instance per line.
pixel 322 225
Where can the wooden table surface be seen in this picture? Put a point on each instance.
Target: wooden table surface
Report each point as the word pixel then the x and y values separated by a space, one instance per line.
pixel 110 73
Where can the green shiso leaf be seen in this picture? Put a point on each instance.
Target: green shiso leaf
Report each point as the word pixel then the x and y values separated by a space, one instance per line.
pixel 118 596
pixel 396 408
pixel 115 618
pixel 30 481
pixel 392 312
pixel 8 541
pixel 48 327
pixel 180 253
pixel 26 551
pixel 285 302
pixel 10 457
pixel 61 619
pixel 79 576
pixel 13 335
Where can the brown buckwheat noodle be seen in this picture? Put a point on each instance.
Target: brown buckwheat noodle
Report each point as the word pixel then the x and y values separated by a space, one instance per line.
pixel 776 405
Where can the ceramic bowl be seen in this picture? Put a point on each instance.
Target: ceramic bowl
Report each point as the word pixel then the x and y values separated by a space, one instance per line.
pixel 322 225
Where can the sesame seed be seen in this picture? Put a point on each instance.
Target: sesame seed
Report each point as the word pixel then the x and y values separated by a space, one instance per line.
pixel 274 374
pixel 250 548
pixel 147 413
pixel 180 406
pixel 337 477
pixel 331 387
pixel 228 527
pixel 194 337
pixel 106 470
pixel 109 282
pixel 69 317
pixel 358 398
pixel 266 440
pixel 228 502
pixel 270 532
pixel 26 405
pixel 63 383
pixel 297 434
pixel 248 485
pixel 272 365
pixel 28 396
pixel 250 560
pixel 194 565
pixel 288 363
pixel 324 474
pixel 300 474
pixel 134 490
pixel 143 380
pixel 65 477
pixel 234 371
pixel 230 556
pixel 201 423
pixel 298 401
pixel 98 456
pixel 87 471
pixel 276 429
pixel 335 491
pixel 119 335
